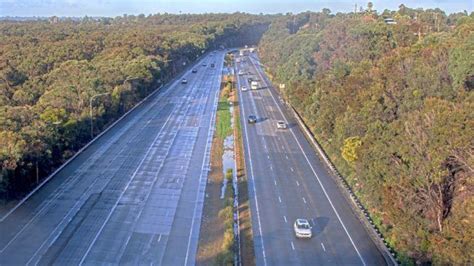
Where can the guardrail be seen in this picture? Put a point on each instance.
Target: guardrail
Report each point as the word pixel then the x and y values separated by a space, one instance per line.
pixel 47 179
pixel 360 210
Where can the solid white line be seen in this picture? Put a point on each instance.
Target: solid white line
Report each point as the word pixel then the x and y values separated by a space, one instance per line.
pixel 253 182
pixel 292 246
pixel 322 245
pixel 284 217
pixel 314 172
pixel 123 191
pixel 171 83
pixel 210 134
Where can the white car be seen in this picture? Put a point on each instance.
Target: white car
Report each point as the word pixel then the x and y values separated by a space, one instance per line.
pixel 184 81
pixel 302 228
pixel 244 88
pixel 281 124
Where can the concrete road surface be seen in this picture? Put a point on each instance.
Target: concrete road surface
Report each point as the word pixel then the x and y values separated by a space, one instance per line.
pixel 135 196
pixel 288 181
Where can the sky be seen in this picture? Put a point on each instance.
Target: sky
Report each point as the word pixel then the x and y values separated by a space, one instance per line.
pixel 112 8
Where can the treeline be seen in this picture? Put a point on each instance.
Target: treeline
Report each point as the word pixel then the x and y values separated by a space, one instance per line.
pixel 50 71
pixel 393 106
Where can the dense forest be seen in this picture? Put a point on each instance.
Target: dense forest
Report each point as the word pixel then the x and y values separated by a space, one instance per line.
pixel 52 70
pixel 392 104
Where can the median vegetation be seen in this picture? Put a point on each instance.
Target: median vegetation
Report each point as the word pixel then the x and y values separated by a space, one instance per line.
pixel 392 106
pixel 216 240
pixel 50 72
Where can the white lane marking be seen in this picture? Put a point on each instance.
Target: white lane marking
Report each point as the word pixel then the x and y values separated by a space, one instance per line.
pixel 304 200
pixel 165 91
pixel 282 147
pixel 268 156
pixel 253 183
pixel 279 199
pixel 271 167
pixel 284 217
pixel 292 170
pixel 274 181
pixel 297 183
pixel 322 245
pixel 316 175
pixel 286 157
pixel 159 238
pixel 292 246
pixel 210 132
pixel 123 192
pixel 133 176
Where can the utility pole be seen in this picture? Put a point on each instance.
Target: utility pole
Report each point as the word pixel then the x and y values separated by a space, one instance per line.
pixel 90 109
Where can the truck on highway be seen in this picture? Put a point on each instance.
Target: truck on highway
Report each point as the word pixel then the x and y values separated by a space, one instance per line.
pixel 254 85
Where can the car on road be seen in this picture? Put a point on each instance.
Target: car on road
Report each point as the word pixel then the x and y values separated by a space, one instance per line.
pixel 241 73
pixel 204 65
pixel 244 88
pixel 213 65
pixel 184 81
pixel 281 124
pixel 302 228
pixel 252 119
pixel 194 71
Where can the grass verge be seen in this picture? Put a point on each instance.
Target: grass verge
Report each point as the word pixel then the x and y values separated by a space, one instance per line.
pixel 216 241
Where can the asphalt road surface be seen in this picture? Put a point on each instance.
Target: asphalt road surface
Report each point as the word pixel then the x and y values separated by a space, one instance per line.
pixel 135 196
pixel 288 181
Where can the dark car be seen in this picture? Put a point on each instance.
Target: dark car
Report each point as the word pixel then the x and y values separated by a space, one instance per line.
pixel 194 71
pixel 252 119
pixel 213 65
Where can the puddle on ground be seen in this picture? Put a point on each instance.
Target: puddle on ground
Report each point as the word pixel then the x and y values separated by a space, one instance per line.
pixel 228 158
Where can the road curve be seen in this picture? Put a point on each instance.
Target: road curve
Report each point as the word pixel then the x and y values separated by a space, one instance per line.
pixel 288 181
pixel 135 195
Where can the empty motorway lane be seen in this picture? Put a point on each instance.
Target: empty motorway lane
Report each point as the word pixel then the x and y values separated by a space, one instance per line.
pixel 287 181
pixel 135 195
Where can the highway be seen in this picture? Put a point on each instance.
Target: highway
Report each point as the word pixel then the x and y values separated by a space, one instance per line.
pixel 135 196
pixel 288 181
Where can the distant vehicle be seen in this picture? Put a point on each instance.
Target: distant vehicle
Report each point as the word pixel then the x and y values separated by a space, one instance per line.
pixel 254 85
pixel 281 124
pixel 241 73
pixel 302 228
pixel 194 71
pixel 252 119
pixel 390 21
pixel 244 88
pixel 204 65
pixel 184 81
pixel 212 65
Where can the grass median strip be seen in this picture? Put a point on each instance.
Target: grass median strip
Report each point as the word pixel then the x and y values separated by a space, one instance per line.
pixel 216 239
